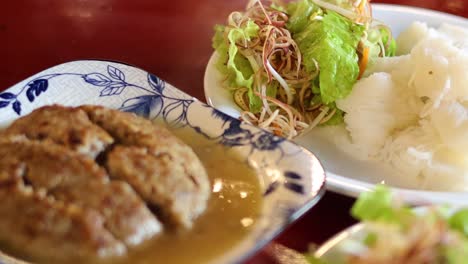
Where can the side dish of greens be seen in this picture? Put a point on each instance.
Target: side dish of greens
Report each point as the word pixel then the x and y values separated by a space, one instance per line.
pixel 395 233
pixel 287 64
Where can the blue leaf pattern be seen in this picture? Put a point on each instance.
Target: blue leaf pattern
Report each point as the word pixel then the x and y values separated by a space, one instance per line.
pixel 30 94
pixel 267 141
pixel 295 187
pixel 170 108
pixel 156 83
pixel 113 89
pixel 40 85
pixel 292 175
pixel 115 73
pixel 218 114
pixel 7 96
pixel 17 107
pixel 272 187
pixel 97 79
pixel 4 104
pixel 36 87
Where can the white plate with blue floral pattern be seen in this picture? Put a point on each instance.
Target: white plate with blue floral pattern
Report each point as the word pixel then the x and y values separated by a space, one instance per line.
pixel 346 175
pixel 292 177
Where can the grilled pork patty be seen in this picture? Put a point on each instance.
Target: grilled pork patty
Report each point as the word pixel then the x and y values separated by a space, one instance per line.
pixel 48 160
pixel 65 126
pixel 75 179
pixel 159 166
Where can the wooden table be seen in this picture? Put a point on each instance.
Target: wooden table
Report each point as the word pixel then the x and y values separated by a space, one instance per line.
pixel 171 39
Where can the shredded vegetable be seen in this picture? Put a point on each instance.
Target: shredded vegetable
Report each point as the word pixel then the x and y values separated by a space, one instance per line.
pixel 287 64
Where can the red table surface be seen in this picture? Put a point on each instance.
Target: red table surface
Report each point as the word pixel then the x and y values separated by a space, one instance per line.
pixel 171 39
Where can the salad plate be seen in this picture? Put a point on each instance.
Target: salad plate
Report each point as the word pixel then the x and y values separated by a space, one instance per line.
pixel 392 229
pixel 345 174
pixel 291 177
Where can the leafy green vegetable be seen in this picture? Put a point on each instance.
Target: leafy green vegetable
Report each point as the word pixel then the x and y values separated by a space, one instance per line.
pixel 378 206
pixel 377 38
pixel 234 66
pixel 314 260
pixel 300 13
pixel 372 205
pixel 370 239
pixel 459 221
pixel 386 35
pixel 337 118
pixel 218 38
pixel 221 47
pixel 235 35
pixel 278 7
pixel 456 254
pixel 331 42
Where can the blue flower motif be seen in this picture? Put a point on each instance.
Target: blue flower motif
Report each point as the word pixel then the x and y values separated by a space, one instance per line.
pixel 234 135
pixel 267 141
pixel 143 105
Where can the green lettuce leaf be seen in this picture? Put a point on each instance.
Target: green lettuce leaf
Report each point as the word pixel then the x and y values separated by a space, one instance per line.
pixel 391 49
pixel 278 7
pixel 218 38
pixel 299 15
pixel 378 205
pixel 235 67
pixel 456 254
pixel 310 258
pixel 336 119
pixel 221 47
pixel 332 43
pixel 235 35
pixel 376 36
pixel 459 221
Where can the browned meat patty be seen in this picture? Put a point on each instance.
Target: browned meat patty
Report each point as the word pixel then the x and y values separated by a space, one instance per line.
pixel 132 130
pixel 47 163
pixel 44 228
pixel 73 178
pixel 66 126
pixel 161 181
pixel 12 170
pixel 51 165
pixel 125 214
pixel 161 168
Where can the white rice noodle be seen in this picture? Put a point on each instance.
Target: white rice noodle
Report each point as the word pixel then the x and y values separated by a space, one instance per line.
pixel 370 112
pixel 418 153
pixel 411 111
pixel 410 37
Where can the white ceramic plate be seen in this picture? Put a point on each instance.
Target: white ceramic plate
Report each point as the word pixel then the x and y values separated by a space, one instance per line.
pixel 344 174
pixel 292 177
